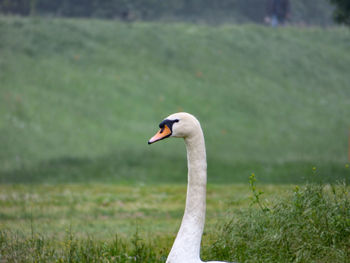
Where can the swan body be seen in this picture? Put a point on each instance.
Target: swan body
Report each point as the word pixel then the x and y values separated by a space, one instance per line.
pixel 186 247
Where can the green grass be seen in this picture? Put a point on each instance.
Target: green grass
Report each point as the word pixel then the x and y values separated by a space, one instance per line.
pixel 80 98
pixel 85 223
pixel 102 210
pixel 311 226
pixel 96 214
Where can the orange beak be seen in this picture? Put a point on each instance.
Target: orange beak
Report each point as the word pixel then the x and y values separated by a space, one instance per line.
pixel 160 135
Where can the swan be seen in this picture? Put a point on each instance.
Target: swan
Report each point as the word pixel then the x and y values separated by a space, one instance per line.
pixel 186 247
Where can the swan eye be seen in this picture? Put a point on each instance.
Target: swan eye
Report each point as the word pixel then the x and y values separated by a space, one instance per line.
pixel 168 123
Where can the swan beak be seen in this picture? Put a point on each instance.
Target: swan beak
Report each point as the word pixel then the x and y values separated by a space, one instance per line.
pixel 160 135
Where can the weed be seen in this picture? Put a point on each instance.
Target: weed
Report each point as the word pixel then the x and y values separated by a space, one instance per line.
pixel 256 194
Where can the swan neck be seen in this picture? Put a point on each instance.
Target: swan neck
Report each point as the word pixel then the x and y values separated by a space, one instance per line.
pixel 186 247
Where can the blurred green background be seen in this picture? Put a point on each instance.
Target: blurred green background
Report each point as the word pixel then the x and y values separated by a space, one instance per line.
pixel 81 97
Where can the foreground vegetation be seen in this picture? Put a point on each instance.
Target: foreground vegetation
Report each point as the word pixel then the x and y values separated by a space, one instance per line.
pixel 308 224
pixel 313 225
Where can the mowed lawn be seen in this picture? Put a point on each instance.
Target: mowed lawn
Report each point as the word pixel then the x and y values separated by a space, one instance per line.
pixel 102 211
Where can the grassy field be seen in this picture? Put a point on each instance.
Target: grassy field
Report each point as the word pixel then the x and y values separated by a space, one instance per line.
pixel 101 223
pixel 98 209
pixel 102 211
pixel 80 98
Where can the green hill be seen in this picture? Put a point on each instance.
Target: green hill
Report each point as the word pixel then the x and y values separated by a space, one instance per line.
pixel 80 98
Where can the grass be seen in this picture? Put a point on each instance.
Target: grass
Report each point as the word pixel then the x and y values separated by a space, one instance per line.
pixel 80 98
pixel 312 226
pixel 103 210
pixel 85 216
pixel 270 224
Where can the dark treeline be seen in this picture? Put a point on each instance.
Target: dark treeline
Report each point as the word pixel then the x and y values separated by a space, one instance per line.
pixel 208 11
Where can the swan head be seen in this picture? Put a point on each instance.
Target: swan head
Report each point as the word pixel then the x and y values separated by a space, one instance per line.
pixel 179 125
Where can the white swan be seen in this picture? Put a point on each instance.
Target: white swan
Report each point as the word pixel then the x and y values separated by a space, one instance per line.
pixel 186 248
